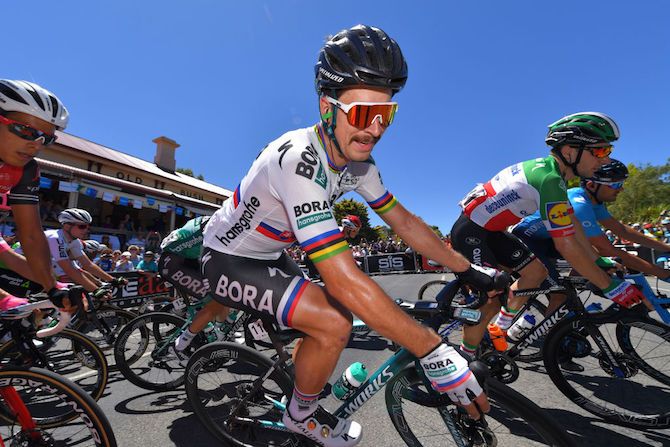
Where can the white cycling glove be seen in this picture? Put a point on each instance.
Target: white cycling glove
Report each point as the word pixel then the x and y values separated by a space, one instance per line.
pixel 448 373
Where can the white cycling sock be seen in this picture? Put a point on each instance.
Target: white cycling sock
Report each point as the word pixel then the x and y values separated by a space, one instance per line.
pixel 184 340
pixel 302 405
pixel 505 317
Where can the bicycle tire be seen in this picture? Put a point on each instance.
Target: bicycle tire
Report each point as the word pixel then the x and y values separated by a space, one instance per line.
pixel 429 291
pixel 513 419
pixel 533 353
pixel 112 317
pixel 63 359
pixel 212 396
pixel 637 400
pixel 141 352
pixel 662 331
pixel 58 391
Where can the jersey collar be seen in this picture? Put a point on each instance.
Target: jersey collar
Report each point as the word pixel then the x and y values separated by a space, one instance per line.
pixel 322 141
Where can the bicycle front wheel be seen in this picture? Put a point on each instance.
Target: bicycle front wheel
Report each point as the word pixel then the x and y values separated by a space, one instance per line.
pixel 619 381
pixel 422 417
pixel 142 353
pixel 42 396
pixel 70 354
pixel 103 331
pixel 227 386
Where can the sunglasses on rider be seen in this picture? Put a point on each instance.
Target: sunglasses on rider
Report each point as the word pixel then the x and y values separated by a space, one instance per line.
pixel 81 226
pixel 614 185
pixel 599 151
pixel 26 132
pixel 363 114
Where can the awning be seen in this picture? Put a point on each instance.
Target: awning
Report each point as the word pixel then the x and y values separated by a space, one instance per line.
pixel 127 188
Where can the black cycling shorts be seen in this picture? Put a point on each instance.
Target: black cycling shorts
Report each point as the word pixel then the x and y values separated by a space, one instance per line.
pixel 15 284
pixel 272 288
pixel 489 248
pixel 545 250
pixel 184 274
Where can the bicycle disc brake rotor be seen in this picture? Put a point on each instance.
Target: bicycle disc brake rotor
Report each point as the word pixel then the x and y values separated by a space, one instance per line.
pixel 501 366
pixel 628 365
pixel 474 433
pixel 25 439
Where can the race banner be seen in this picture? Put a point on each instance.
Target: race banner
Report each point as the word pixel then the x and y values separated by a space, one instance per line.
pixel 392 262
pixel 140 287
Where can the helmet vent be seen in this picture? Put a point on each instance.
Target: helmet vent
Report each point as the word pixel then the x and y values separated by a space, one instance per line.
pixel 10 93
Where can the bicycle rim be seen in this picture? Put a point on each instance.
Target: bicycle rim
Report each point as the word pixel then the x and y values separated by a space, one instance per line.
pixel 648 343
pixel 219 384
pixel 112 320
pixel 620 391
pixel 44 393
pixel 421 417
pixel 429 291
pixel 70 354
pixel 142 354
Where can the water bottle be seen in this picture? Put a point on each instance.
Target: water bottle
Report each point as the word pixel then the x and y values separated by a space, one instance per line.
pixel 521 326
pixel 594 307
pixel 497 337
pixel 350 380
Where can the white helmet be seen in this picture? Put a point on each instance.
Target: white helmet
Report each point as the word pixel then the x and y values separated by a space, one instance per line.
pixel 75 216
pixel 30 98
pixel 92 246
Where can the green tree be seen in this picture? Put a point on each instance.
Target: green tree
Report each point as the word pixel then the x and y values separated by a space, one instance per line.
pixel 189 172
pixel 645 195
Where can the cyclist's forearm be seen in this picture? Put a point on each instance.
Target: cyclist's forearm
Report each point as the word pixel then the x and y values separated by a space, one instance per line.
pixel 78 277
pixel 18 264
pixel 36 250
pixel 415 233
pixel 581 261
pixel 646 241
pixel 631 261
pixel 365 299
pixel 96 271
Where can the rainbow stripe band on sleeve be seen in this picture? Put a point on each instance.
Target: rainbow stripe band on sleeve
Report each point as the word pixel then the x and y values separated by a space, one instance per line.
pixel 325 245
pixel 383 204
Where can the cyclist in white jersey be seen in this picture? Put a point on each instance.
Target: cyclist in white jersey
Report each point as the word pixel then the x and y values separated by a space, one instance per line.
pixel 67 248
pixel 288 195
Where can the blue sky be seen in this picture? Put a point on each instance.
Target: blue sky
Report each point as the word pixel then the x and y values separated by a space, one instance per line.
pixel 224 78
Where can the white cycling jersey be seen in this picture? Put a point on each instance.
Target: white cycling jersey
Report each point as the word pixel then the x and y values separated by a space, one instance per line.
pixel 288 195
pixel 61 249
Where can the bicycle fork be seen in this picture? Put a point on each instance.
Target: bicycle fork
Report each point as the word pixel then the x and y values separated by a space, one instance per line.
pixel 19 409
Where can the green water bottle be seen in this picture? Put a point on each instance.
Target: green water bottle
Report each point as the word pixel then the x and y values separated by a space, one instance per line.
pixel 350 380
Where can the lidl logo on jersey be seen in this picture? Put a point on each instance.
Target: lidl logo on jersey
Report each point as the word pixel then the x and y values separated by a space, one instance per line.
pixel 558 214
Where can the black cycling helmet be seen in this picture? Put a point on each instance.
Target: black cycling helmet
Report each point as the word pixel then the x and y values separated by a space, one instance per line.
pixel 361 55
pixel 612 172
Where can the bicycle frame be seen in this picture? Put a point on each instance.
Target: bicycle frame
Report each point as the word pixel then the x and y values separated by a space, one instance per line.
pixel 657 302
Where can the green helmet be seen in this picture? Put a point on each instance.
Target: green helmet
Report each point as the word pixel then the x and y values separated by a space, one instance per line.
pixel 582 129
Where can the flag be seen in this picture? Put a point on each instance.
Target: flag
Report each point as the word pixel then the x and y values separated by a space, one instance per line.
pixel 137 204
pixel 68 186
pixel 150 201
pixel 108 197
pixel 45 183
pixel 163 208
pixel 91 192
pixel 179 211
pixel 124 201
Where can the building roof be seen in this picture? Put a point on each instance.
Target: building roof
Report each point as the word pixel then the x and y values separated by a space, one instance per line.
pixel 101 151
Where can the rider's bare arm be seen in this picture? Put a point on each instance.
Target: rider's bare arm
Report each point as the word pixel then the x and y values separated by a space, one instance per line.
pixel 93 269
pixel 17 263
pixel 76 275
pixel 415 233
pixel 362 296
pixel 34 243
pixel 605 248
pixel 581 260
pixel 628 233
